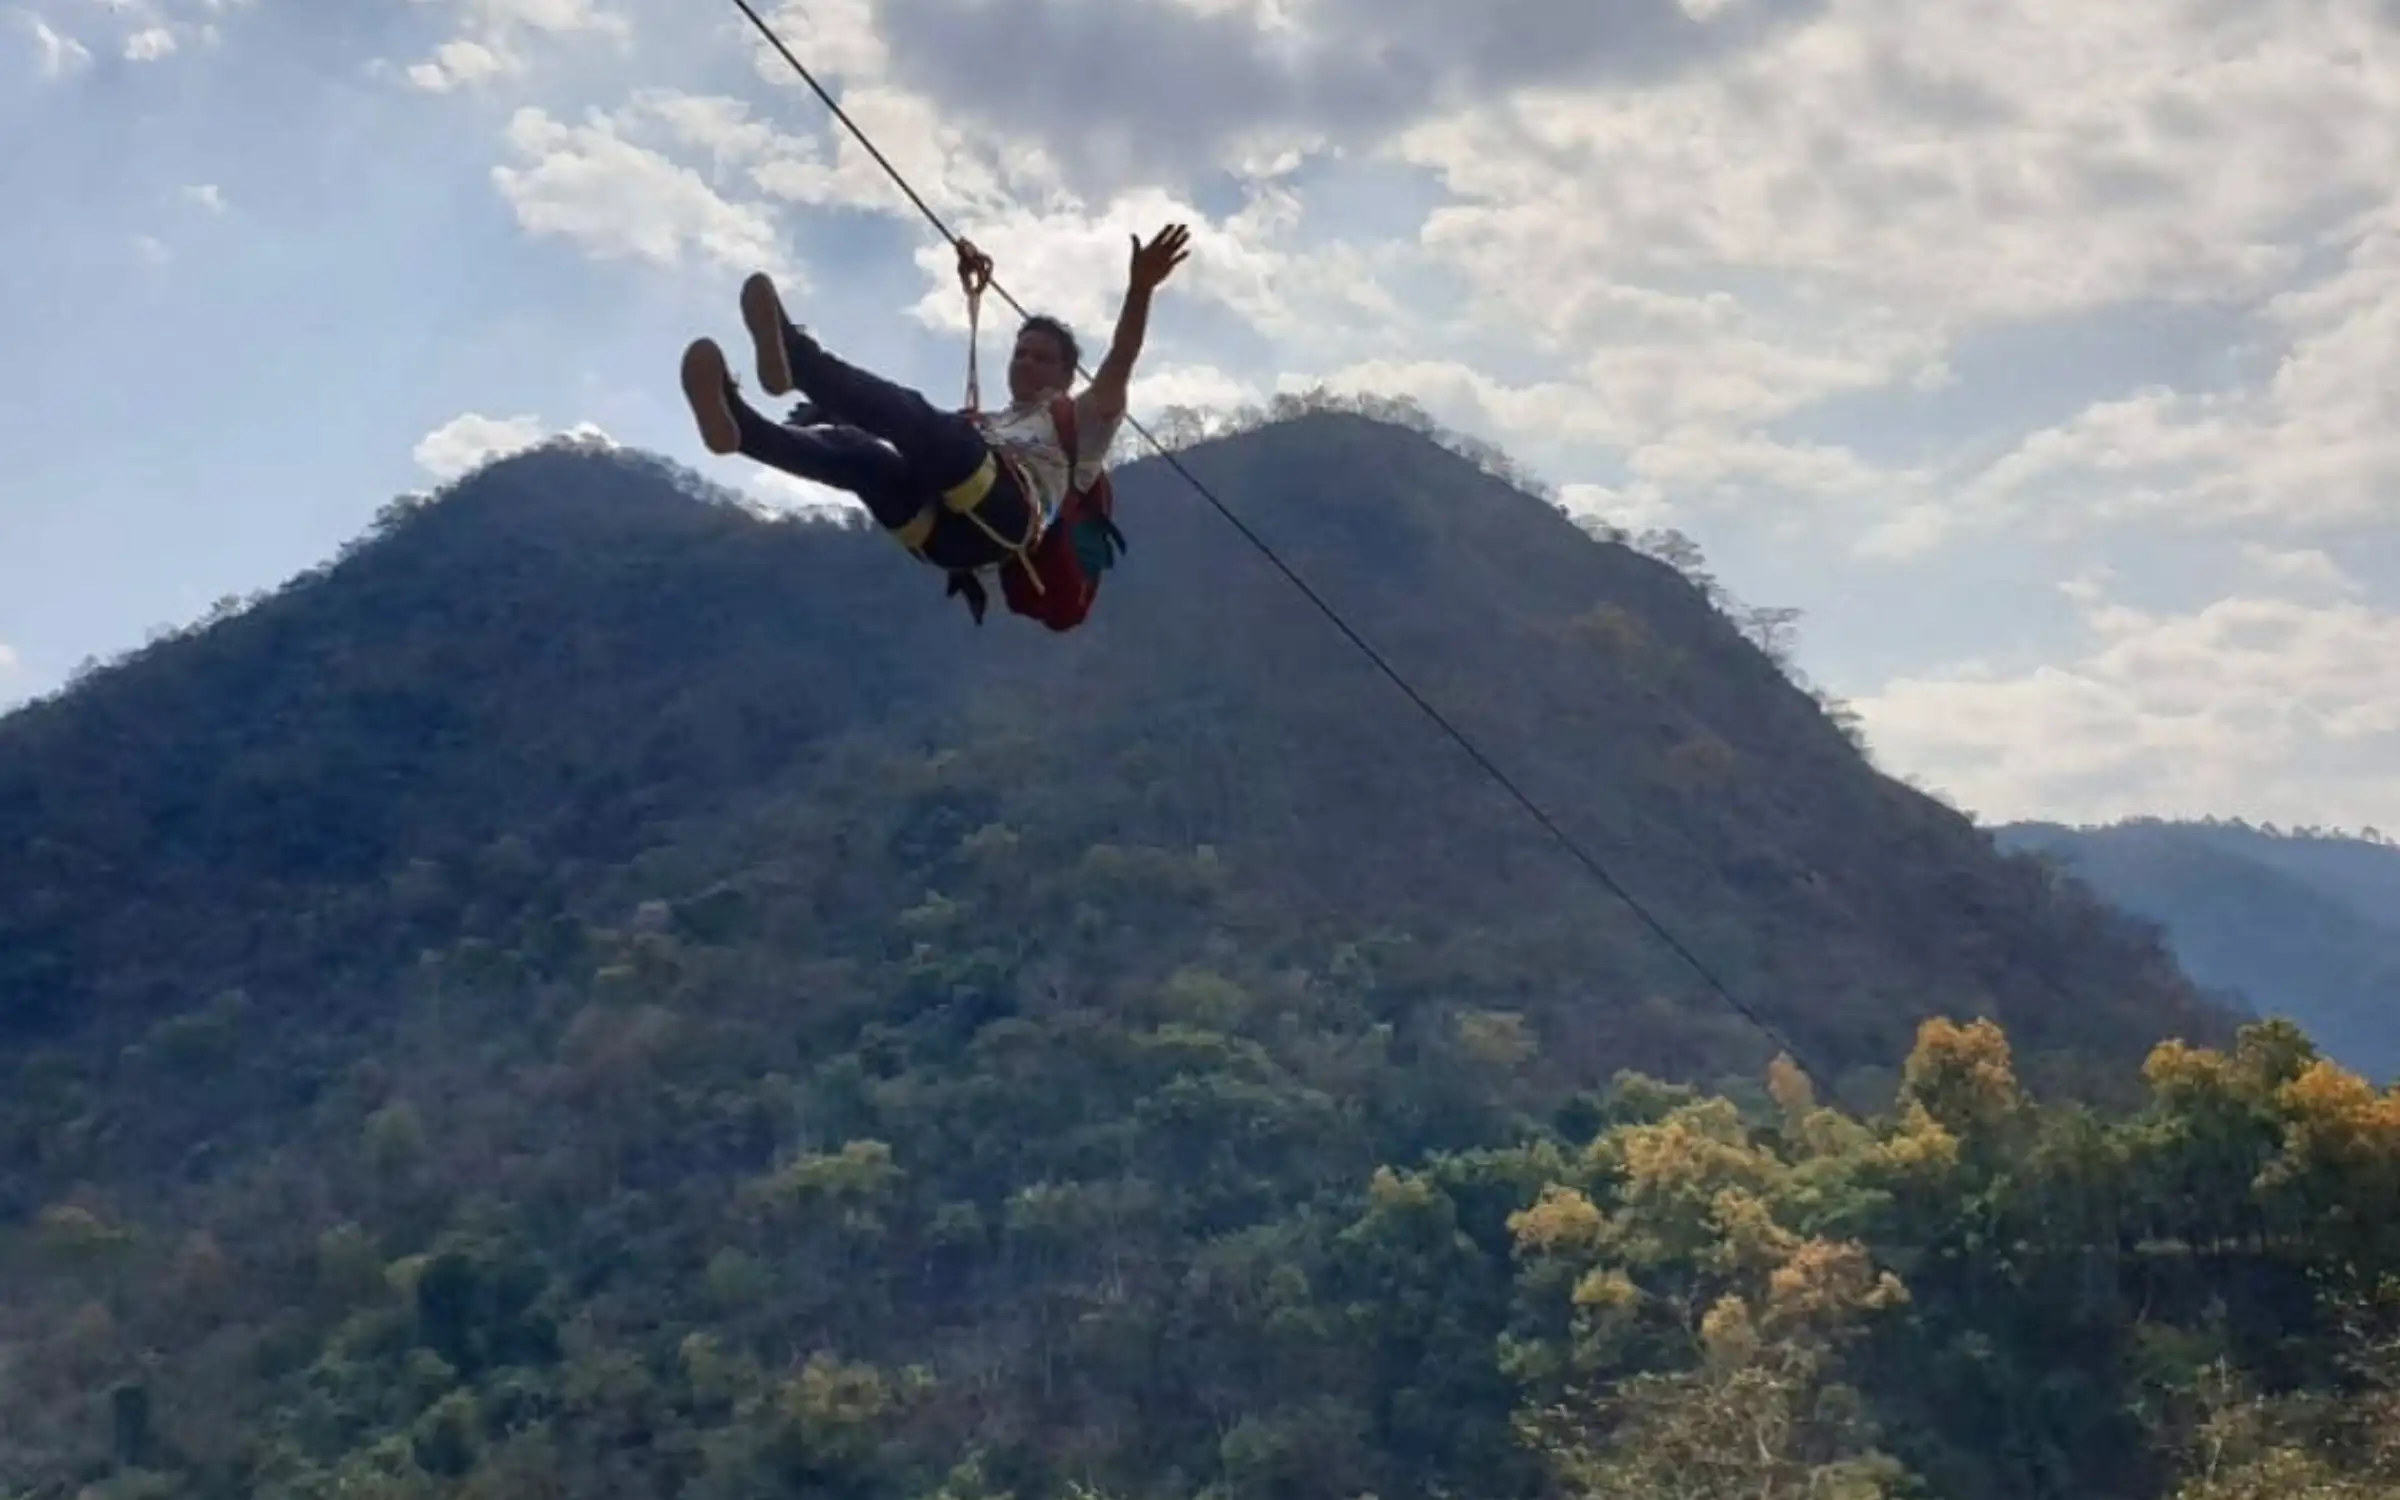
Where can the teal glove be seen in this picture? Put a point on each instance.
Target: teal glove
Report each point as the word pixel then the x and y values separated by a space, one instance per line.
pixel 1094 552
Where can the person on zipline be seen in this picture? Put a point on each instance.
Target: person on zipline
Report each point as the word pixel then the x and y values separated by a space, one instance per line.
pixel 1024 488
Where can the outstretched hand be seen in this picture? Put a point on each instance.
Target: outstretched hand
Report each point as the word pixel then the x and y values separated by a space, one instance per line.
pixel 1154 262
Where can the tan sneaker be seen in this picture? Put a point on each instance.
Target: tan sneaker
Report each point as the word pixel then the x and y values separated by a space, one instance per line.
pixel 708 386
pixel 762 313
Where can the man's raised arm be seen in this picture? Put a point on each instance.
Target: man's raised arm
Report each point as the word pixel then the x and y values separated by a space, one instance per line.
pixel 1104 401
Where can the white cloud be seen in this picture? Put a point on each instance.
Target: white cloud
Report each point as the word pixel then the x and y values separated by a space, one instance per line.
pixel 8 659
pixel 493 34
pixel 1462 397
pixel 2317 443
pixel 472 439
pixel 150 44
pixel 669 158
pixel 2267 707
pixel 946 165
pixel 456 64
pixel 782 494
pixel 58 54
pixel 1198 386
pixel 1935 170
pixel 1326 302
pixel 621 200
pixel 206 195
pixel 1635 510
pixel 1052 248
pixel 1831 214
pixel 2307 568
pixel 152 250
pixel 719 124
pixel 837 38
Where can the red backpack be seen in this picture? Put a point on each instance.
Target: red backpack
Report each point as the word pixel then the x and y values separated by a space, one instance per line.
pixel 1056 579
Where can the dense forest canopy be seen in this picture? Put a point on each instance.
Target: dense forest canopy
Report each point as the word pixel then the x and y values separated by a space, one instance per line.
pixel 598 992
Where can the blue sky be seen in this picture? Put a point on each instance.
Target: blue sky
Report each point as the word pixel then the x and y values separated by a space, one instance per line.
pixel 2042 353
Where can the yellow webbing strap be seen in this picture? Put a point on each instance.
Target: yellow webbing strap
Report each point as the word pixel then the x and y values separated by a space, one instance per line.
pixel 966 498
pixel 919 527
pixel 968 493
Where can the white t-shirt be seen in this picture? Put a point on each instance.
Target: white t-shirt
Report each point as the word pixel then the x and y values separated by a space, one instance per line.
pixel 1026 433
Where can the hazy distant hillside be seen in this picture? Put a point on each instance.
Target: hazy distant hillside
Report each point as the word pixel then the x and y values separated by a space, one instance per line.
pixel 2299 924
pixel 2361 870
pixel 597 993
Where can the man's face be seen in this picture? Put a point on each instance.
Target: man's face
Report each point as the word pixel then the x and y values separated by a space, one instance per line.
pixel 1038 366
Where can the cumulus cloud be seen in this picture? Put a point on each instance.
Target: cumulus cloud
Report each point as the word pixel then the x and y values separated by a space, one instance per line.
pixel 1071 260
pixel 1170 86
pixel 494 38
pixel 2316 443
pixel 2308 568
pixel 1831 214
pixel 1056 250
pixel 471 439
pixel 840 40
pixel 971 178
pixel 1638 509
pixel 2259 705
pixel 942 163
pixel 1194 386
pixel 457 64
pixel 8 659
pixel 1899 167
pixel 1461 396
pixel 207 196
pixel 780 494
pixel 618 199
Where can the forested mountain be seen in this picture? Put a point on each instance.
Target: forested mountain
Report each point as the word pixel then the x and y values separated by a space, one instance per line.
pixel 569 660
pixel 2301 923
pixel 596 992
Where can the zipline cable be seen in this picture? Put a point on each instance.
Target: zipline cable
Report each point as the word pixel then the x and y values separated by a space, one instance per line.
pixel 1474 752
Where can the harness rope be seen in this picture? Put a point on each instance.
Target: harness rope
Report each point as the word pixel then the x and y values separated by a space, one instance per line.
pixel 1474 752
pixel 975 276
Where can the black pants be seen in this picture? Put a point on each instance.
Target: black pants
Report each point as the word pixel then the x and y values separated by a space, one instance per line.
pixel 936 450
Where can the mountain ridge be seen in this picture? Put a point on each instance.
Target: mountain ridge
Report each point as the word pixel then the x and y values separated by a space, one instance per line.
pixel 1565 638
pixel 2304 923
pixel 594 991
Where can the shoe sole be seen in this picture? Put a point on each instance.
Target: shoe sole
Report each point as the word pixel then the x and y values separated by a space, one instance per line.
pixel 704 379
pixel 762 312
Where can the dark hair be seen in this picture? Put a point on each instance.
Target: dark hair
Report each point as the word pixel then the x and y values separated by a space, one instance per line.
pixel 1059 331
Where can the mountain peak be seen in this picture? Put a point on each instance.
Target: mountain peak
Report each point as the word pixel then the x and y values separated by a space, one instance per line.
pixel 601 946
pixel 589 652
